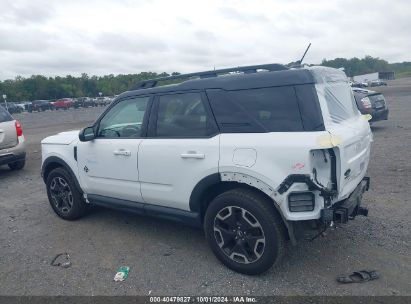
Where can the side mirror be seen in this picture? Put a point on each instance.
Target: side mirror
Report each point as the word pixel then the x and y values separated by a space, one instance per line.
pixel 87 134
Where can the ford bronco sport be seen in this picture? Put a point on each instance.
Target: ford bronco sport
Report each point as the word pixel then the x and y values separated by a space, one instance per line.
pixel 254 155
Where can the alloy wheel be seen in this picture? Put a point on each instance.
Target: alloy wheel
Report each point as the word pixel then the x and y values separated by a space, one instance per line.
pixel 239 234
pixel 61 194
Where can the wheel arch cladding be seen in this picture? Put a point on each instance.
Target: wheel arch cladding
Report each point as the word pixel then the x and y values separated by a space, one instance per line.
pixel 54 162
pixel 215 184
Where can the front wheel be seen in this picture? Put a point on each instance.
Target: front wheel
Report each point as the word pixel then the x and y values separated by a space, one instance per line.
pixel 244 231
pixel 64 197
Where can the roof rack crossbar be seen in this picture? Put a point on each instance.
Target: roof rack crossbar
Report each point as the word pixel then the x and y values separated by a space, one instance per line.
pixel 150 83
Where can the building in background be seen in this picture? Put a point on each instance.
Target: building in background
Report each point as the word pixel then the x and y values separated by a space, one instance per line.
pixel 374 76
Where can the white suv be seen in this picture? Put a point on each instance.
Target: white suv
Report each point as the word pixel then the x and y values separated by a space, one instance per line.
pixel 253 154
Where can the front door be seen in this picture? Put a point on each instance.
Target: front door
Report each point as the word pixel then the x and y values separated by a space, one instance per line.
pixel 108 164
pixel 181 149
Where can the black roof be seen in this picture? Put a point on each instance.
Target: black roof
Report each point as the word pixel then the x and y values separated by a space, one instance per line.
pixel 236 81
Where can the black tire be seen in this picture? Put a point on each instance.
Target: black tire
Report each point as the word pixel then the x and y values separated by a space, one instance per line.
pixel 267 237
pixel 18 165
pixel 67 201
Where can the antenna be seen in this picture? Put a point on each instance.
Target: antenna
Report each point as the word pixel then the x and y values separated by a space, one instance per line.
pixel 302 58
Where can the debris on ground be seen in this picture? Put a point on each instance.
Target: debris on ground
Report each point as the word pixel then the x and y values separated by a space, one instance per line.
pixel 61 260
pixel 358 277
pixel 122 273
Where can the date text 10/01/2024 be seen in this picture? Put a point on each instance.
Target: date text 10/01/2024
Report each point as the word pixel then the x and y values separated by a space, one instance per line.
pixel 205 299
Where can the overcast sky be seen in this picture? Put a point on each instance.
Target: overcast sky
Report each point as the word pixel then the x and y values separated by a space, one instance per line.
pixel 101 37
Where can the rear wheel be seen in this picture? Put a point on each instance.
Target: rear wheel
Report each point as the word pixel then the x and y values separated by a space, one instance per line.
pixel 244 231
pixel 18 165
pixel 64 197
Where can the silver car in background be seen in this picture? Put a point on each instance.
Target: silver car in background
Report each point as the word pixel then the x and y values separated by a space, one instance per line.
pixel 12 146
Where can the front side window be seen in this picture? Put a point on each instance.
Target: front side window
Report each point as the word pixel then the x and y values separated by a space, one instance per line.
pixel 181 115
pixel 125 119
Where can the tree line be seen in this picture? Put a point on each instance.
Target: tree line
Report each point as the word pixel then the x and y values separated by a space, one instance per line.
pixel 50 88
pixel 368 64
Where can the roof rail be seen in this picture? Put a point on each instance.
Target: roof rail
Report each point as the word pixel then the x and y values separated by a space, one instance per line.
pixel 151 83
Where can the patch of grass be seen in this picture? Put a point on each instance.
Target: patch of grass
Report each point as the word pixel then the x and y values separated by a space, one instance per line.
pixel 403 74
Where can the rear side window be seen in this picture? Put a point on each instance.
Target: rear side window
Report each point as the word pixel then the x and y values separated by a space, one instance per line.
pixel 257 110
pixel 4 115
pixel 182 115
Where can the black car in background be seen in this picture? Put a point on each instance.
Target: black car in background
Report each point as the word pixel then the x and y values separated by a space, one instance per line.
pixel 39 105
pixel 84 102
pixel 371 102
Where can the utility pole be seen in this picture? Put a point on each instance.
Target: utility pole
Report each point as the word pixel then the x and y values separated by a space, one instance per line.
pixel 5 101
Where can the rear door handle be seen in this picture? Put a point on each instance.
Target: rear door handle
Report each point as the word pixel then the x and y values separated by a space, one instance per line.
pixel 193 155
pixel 122 152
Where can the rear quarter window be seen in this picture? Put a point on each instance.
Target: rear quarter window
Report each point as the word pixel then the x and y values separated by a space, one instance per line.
pixel 340 101
pixel 272 109
pixel 4 115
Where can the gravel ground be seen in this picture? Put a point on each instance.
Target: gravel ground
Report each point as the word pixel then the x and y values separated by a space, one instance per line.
pixel 169 259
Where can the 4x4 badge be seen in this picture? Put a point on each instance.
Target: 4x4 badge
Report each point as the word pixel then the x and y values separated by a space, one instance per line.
pixel 85 169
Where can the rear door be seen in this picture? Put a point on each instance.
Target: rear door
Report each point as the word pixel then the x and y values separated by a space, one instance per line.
pixel 350 133
pixel 182 147
pixel 8 134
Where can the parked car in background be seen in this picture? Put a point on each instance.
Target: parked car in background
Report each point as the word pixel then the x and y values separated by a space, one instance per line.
pixel 21 105
pixel 371 102
pixel 64 103
pixel 84 102
pixel 103 101
pixel 39 106
pixel 12 107
pixel 12 150
pixel 378 83
pixel 359 84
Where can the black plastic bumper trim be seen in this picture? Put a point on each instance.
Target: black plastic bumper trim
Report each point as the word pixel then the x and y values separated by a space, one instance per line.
pixel 11 158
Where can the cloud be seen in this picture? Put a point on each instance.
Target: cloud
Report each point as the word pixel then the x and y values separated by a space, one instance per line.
pixel 129 42
pixel 18 40
pixel 25 12
pixel 241 16
pixel 110 37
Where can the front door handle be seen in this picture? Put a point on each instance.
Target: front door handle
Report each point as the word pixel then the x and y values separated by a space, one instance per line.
pixel 122 152
pixel 192 155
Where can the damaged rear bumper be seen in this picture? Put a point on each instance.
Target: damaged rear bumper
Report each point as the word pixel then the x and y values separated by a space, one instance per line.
pixel 349 208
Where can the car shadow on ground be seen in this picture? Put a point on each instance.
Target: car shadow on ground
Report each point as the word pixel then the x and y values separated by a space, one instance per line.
pixel 375 128
pixel 5 172
pixel 177 235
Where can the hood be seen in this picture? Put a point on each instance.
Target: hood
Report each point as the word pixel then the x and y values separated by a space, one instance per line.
pixel 63 138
